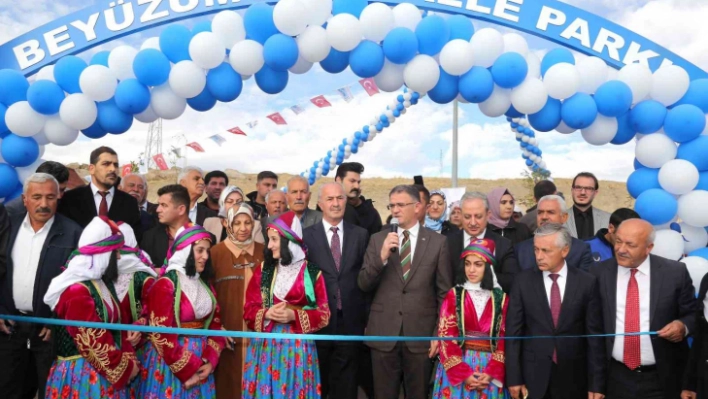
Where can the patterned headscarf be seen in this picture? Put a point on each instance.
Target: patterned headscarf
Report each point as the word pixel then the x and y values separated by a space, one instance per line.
pixel 132 259
pixel 436 224
pixel 494 197
pixel 483 249
pixel 243 209
pixel 289 227
pixel 178 254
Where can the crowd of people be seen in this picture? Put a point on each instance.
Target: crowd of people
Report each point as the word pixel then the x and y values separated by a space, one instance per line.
pixel 557 303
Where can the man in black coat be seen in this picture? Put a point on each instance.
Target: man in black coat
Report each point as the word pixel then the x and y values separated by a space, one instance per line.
pixel 360 211
pixel 695 383
pixel 642 293
pixel 338 248
pixel 554 300
pixel 172 213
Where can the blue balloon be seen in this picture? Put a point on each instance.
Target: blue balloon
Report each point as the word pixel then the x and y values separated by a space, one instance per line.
pixel 702 252
pixel 642 180
pixel 13 87
pixel 367 59
pixel 476 85
pixel 656 206
pixel 45 97
pixel 684 123
pixel 513 113
pixel 95 131
pixel 697 95
pixel 625 133
pixel 446 89
pixel 19 151
pixel 132 97
pixel 556 56
pixel 258 21
pixel 271 81
pixel 15 194
pixel 112 119
pixel 397 113
pixel 100 58
pixel 8 179
pixel 648 116
pixel 400 45
pixel 613 98
pixel 151 67
pixel 67 72
pixel 509 70
pixel 280 52
pixel 3 127
pixel 336 61
pixel 548 118
pixel 224 83
pixel 383 118
pixel 529 162
pixel 355 149
pixel 460 27
pixel 432 33
pixel 702 181
pixel 579 111
pixel 379 126
pixel 174 42
pixel 695 152
pixel 203 102
pixel 637 164
pixel 353 7
pixel 199 27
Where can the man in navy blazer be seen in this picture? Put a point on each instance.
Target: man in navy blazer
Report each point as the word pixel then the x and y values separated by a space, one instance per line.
pixel 552 209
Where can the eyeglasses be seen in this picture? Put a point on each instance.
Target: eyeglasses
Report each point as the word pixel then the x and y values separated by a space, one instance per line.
pixel 394 206
pixel 587 189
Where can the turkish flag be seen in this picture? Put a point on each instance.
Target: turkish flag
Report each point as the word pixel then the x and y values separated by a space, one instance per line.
pixel 195 146
pixel 370 86
pixel 277 119
pixel 160 162
pixel 237 130
pixel 126 169
pixel 321 102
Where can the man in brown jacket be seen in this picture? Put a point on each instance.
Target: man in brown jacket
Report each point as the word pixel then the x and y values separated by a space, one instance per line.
pixel 410 274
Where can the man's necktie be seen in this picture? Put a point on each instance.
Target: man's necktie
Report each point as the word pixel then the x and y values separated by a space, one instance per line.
pixel 406 254
pixel 103 208
pixel 632 347
pixel 336 248
pixel 555 306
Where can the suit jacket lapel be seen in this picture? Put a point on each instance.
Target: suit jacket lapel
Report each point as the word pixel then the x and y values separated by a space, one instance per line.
pixel 655 281
pixel 346 245
pixel 570 223
pixel 543 297
pixel 571 289
pixel 90 203
pixel 419 253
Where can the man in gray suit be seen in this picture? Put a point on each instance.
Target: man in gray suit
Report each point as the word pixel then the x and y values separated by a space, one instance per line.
pixel 409 273
pixel 585 220
pixel 298 197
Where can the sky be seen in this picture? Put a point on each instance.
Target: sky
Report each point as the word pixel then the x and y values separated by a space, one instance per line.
pixel 417 143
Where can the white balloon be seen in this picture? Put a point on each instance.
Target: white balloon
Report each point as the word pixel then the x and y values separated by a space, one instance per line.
pixel 153 43
pixel 456 57
pixel 692 208
pixel 78 111
pixel 147 116
pixel 41 138
pixel 678 176
pixel 166 104
pixel 98 82
pixel 229 26
pixel 668 244
pixel 207 50
pixel 22 120
pixel 515 43
pixel 694 237
pixel 120 61
pixel 290 17
pixel 318 11
pixel 407 15
pixel 612 74
pixel 564 129
pixel 344 32
pixel 497 104
pixel 58 133
pixel 697 269
pixel 27 171
pixel 669 84
pixel 654 150
pixel 601 132
pixel 46 73
pixel 529 97
pixel 376 21
pixel 593 73
pixel 246 57
pixel 187 79
pixel 534 64
pixel 301 66
pixel 421 74
pixel 562 80
pixel 639 78
pixel 313 44
pixel 487 46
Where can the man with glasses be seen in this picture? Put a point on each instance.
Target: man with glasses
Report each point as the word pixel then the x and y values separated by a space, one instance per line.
pixel 585 220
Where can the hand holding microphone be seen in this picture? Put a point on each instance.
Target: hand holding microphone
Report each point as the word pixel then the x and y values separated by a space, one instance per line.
pixel 390 244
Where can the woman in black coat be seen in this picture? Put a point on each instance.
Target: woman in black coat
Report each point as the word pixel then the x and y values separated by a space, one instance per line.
pixel 501 205
pixel 695 383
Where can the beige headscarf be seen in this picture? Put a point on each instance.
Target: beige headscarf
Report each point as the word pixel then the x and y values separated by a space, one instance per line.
pixel 238 247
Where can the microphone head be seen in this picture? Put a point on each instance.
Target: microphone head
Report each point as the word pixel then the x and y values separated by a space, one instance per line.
pixel 394 222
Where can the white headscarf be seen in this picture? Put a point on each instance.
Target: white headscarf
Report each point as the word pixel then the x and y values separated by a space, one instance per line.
pixel 131 263
pixel 225 194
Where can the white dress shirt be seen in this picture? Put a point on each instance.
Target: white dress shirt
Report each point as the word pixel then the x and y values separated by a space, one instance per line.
pixel 193 213
pixel 144 206
pixel 97 197
pixel 642 276
pixel 25 258
pixel 330 234
pixel 562 279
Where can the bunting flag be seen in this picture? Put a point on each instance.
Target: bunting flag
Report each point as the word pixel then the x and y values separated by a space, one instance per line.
pixel 277 119
pixel 160 162
pixel 195 146
pixel 297 109
pixel 236 130
pixel 370 86
pixel 346 93
pixel 252 124
pixel 177 152
pixel 321 102
pixel 126 169
pixel 218 139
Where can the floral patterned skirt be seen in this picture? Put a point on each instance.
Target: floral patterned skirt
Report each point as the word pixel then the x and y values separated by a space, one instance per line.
pixel 76 378
pixel 477 360
pixel 157 381
pixel 281 369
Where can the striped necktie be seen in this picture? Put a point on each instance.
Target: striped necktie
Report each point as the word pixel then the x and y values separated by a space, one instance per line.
pixel 406 254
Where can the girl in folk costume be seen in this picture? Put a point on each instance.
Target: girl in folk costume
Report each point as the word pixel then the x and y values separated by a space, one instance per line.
pixel 286 295
pixel 234 260
pixel 473 368
pixel 91 363
pixel 180 366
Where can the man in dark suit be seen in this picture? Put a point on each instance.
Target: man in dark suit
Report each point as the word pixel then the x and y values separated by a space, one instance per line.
pixel 552 209
pixel 695 383
pixel 192 178
pixel 338 248
pixel 409 273
pixel 641 293
pixel 555 300
pixel 172 214
pixel 136 185
pixel 40 241
pixel 475 216
pixel 101 198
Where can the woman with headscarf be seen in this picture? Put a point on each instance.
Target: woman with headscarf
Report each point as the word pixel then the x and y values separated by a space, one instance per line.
pixel 91 362
pixel 287 294
pixel 230 196
pixel 234 261
pixel 456 214
pixel 501 204
pixel 181 366
pixel 136 275
pixel 436 218
pixel 474 311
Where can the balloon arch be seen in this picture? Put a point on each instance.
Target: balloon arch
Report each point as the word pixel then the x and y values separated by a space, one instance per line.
pixel 657 97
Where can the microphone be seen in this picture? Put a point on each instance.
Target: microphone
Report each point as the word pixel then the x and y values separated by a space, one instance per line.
pixel 394 229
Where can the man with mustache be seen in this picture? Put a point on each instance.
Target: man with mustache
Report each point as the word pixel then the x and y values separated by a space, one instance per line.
pixel 298 196
pixel 136 185
pixel 40 241
pixel 586 220
pixel 192 178
pixel 57 170
pixel 360 211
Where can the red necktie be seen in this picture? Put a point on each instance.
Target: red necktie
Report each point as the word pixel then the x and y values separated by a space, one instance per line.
pixel 632 347
pixel 103 208
pixel 555 306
